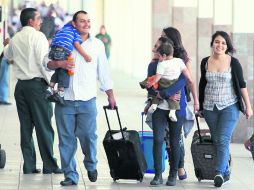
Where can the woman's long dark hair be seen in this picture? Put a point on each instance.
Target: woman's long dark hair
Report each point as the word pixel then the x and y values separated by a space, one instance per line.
pixel 174 35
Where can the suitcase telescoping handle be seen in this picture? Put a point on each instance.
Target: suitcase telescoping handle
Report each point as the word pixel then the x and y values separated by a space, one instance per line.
pixel 119 121
pixel 142 124
pixel 199 133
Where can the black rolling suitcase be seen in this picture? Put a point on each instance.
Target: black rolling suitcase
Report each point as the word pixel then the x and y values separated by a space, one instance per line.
pixel 203 154
pixel 124 152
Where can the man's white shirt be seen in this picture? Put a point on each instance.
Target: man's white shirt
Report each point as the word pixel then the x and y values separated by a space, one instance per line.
pixel 27 49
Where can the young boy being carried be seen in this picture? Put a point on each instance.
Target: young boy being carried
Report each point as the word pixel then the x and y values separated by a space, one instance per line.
pixel 167 73
pixel 60 49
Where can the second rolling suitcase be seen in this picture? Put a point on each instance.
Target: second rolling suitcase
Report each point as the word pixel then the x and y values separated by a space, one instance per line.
pixel 124 152
pixel 203 154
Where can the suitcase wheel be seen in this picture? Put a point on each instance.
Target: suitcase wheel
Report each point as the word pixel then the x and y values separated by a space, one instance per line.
pixel 112 173
pixel 198 174
pixel 2 158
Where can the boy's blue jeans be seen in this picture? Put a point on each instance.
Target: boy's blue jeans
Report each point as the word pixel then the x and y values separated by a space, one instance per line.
pixel 222 124
pixel 61 75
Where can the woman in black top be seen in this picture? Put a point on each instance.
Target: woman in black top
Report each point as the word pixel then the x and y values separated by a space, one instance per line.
pixel 221 90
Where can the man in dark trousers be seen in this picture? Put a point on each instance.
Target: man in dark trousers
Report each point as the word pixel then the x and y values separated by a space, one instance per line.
pixel 27 49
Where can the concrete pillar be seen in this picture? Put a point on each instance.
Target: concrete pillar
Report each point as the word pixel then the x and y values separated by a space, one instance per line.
pixel 243 37
pixel 204 31
pixel 161 17
pixel 129 24
pixel 223 15
pixel 185 20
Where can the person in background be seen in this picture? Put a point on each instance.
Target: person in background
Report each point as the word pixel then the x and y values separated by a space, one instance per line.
pixel 221 90
pixel 5 71
pixel 4 81
pixel 77 117
pixel 48 26
pixel 27 49
pixel 106 39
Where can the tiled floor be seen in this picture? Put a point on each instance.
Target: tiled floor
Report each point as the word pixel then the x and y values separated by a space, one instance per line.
pixel 130 100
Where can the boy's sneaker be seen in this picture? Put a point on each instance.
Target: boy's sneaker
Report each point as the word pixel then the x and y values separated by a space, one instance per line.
pixel 56 98
pixel 59 96
pixel 172 115
pixel 218 180
pixel 49 92
pixel 152 108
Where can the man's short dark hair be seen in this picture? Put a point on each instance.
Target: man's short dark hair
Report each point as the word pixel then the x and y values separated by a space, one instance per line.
pixel 74 19
pixel 26 14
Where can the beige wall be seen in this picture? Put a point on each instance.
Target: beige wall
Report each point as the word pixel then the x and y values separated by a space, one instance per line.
pixel 129 24
pixel 243 15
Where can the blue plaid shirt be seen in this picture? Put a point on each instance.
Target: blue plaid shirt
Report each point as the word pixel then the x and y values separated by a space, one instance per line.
pixel 66 37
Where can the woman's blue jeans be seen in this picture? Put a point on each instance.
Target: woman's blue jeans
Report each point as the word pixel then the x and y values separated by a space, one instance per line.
pixel 160 121
pixel 222 124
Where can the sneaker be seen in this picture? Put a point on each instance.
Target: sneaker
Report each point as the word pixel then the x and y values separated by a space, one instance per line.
pixel 172 116
pixel 59 98
pixel 61 93
pixel 171 181
pixel 49 92
pixel 152 108
pixel 157 180
pixel 56 98
pixel 218 180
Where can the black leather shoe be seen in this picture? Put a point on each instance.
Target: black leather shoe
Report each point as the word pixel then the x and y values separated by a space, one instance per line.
pixel 5 103
pixel 56 171
pixel 157 180
pixel 67 182
pixel 35 171
pixel 92 175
